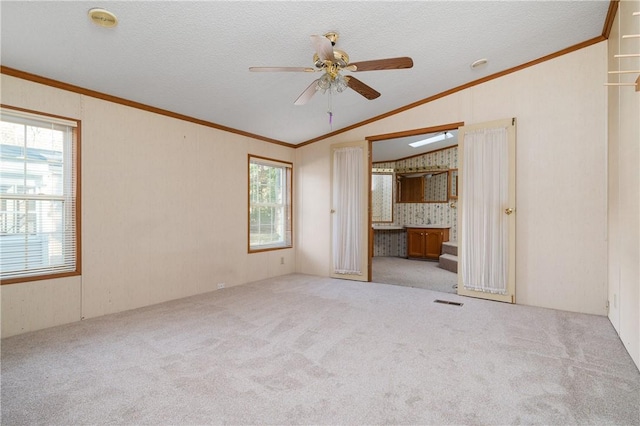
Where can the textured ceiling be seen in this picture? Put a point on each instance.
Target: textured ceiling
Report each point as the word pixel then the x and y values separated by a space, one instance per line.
pixel 192 58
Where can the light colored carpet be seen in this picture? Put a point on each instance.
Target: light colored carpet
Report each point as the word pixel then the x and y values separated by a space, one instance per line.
pixel 413 273
pixel 309 350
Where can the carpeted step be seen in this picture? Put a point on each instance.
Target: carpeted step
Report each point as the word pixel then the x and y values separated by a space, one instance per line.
pixel 450 247
pixel 449 262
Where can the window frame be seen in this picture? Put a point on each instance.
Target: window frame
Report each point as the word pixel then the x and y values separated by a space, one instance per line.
pixel 289 178
pixel 76 133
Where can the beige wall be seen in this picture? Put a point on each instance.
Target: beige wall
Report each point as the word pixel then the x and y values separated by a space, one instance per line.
pixel 624 184
pixel 560 106
pixel 164 212
pixel 161 197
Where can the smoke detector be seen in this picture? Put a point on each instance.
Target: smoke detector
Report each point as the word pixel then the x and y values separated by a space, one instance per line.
pixel 479 63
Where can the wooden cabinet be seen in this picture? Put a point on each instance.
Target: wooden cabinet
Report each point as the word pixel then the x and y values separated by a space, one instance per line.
pixel 426 243
pixel 415 242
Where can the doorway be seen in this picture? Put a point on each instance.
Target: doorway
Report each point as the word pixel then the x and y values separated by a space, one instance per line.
pixel 417 158
pixel 413 273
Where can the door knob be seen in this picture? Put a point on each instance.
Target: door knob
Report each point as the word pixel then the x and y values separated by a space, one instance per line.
pixel 508 211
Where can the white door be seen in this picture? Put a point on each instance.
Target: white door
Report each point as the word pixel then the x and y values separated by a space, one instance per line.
pixel 350 171
pixel 486 210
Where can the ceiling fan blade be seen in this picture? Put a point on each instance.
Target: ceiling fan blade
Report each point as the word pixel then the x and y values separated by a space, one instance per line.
pixel 307 94
pixel 382 64
pixel 323 47
pixel 281 69
pixel 362 88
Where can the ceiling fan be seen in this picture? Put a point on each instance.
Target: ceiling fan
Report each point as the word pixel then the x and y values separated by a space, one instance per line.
pixel 332 62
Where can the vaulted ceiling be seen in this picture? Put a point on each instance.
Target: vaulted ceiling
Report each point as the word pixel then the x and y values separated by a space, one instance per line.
pixel 193 58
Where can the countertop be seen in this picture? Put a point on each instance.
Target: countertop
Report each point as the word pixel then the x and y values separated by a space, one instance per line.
pixel 432 225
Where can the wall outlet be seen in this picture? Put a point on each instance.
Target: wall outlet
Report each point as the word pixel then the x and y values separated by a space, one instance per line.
pixel 220 285
pixel 282 260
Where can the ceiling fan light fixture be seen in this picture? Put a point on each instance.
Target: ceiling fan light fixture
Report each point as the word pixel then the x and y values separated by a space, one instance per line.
pixel 340 83
pixel 324 82
pixel 336 84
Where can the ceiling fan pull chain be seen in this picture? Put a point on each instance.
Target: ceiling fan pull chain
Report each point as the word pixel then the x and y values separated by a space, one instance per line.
pixel 330 112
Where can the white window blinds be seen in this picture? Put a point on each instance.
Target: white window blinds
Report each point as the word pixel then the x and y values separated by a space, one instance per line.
pixel 269 204
pixel 38 196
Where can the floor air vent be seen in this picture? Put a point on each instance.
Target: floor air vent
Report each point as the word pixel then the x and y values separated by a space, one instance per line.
pixel 447 302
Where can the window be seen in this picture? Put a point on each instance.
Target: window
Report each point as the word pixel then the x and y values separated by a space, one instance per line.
pixel 39 202
pixel 269 204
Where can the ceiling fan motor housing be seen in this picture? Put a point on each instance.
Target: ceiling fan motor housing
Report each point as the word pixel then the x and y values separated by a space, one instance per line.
pixel 340 58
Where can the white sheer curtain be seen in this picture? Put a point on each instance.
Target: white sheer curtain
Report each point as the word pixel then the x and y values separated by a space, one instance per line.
pixel 484 223
pixel 347 189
